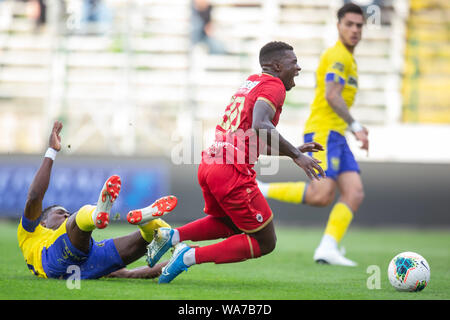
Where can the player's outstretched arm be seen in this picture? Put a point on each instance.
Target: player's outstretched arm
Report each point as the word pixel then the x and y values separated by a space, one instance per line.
pixel 335 100
pixel 39 185
pixel 144 272
pixel 262 124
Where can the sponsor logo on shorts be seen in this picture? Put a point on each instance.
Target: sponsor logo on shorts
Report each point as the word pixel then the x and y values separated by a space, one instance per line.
pixel 335 163
pixel 259 217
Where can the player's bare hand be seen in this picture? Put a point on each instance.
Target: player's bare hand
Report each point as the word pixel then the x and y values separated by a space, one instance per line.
pixel 309 165
pixel 311 147
pixel 55 140
pixel 363 136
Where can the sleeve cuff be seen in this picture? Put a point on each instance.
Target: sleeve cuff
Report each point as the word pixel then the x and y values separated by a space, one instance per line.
pixel 333 77
pixel 30 225
pixel 268 102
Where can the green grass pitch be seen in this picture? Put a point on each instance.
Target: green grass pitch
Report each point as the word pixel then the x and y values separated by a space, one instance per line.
pixel 288 273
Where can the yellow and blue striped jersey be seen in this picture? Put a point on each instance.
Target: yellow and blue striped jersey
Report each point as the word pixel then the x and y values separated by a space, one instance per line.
pixel 336 64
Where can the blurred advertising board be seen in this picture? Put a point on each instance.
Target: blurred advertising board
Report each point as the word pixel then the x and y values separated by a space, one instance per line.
pixel 74 184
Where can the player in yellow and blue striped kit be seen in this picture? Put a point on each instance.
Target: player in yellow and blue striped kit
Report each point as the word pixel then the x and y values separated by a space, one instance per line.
pixel 337 84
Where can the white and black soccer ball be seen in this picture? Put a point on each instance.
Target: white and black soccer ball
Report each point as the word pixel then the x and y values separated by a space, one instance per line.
pixel 409 271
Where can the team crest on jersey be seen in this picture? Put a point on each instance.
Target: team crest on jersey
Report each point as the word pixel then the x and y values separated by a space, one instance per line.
pixel 338 66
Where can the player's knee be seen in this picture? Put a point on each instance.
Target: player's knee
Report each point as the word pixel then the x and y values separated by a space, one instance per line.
pixel 359 196
pixel 354 198
pixel 322 199
pixel 268 245
pixel 326 200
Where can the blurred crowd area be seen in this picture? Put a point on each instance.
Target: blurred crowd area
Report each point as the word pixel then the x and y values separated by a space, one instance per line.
pixel 132 77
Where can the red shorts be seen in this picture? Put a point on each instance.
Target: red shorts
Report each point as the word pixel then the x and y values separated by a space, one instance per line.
pixel 230 193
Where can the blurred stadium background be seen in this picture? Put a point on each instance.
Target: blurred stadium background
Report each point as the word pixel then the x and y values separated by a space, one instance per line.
pixel 140 98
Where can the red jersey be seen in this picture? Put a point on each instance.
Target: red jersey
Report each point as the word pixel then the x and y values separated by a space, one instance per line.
pixel 235 140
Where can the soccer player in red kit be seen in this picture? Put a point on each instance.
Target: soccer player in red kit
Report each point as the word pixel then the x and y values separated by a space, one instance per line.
pixel 235 208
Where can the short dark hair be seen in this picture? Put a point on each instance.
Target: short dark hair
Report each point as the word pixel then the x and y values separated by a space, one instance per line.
pixel 271 50
pixel 47 210
pixel 349 7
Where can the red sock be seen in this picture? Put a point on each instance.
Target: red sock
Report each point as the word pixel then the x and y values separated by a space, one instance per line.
pixel 236 248
pixel 207 228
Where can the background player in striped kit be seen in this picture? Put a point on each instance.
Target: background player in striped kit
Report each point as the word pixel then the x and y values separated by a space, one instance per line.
pixel 337 84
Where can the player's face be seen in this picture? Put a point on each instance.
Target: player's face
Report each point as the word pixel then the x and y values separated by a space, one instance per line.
pixel 289 69
pixel 56 217
pixel 350 29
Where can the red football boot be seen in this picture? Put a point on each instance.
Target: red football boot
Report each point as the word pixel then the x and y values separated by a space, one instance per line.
pixel 108 195
pixel 156 210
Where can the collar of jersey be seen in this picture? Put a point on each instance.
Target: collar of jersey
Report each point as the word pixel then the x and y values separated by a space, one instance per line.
pixel 340 44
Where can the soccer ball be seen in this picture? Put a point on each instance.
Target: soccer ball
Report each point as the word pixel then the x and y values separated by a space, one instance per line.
pixel 409 271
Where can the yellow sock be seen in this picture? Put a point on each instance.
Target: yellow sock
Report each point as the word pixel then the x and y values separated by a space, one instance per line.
pixel 339 220
pixel 84 220
pixel 148 229
pixel 292 192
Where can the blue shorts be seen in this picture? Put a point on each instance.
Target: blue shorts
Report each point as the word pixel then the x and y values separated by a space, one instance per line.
pixel 101 260
pixel 337 157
